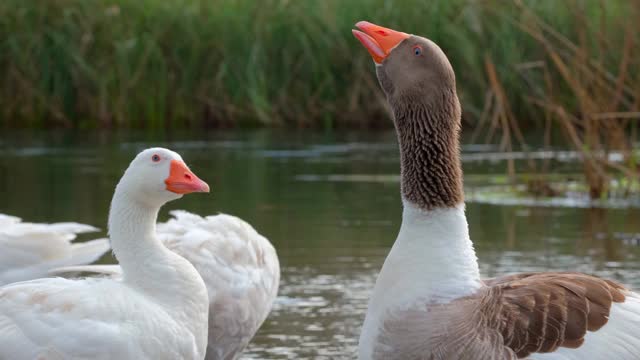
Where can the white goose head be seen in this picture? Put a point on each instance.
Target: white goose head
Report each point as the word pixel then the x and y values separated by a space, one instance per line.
pixel 157 176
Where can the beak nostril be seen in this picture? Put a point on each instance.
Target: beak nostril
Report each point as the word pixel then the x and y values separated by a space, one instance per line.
pixel 187 176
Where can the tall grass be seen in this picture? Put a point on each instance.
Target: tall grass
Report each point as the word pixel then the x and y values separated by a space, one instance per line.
pixel 204 63
pixel 585 83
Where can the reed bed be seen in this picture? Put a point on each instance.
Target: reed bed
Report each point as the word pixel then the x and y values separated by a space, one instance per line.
pixel 196 64
pixel 585 88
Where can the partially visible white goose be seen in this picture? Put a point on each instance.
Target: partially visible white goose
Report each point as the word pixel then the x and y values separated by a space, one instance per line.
pixel 29 250
pixel 157 311
pixel 429 301
pixel 238 265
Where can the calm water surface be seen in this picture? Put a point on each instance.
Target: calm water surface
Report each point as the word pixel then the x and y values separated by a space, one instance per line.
pixel 328 202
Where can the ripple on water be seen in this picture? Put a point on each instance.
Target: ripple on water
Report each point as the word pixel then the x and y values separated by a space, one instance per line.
pixel 317 314
pixel 325 290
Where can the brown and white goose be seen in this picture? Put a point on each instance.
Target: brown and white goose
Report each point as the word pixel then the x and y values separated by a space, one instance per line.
pixel 429 301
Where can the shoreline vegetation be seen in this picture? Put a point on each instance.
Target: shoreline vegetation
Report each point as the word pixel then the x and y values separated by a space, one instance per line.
pixel 568 69
pixel 195 64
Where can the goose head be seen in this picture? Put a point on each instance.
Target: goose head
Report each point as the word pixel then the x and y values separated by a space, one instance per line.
pixel 409 67
pixel 157 176
pixel 420 86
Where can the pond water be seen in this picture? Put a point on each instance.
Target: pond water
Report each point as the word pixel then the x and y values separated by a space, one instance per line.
pixel 330 204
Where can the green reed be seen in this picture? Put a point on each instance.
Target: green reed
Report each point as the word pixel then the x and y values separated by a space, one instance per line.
pixel 219 63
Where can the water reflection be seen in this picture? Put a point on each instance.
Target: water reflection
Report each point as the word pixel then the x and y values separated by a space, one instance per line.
pixel 329 203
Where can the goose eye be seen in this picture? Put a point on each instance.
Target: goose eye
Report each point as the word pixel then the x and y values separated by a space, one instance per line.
pixel 155 158
pixel 417 50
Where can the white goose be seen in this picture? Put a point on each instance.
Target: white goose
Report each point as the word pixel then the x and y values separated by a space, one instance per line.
pixel 238 265
pixel 429 301
pixel 29 250
pixel 157 311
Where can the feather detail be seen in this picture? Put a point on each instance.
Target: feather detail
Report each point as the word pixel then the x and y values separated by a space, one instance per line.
pixel 29 250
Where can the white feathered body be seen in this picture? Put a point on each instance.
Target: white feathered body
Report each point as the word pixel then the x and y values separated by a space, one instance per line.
pixel 115 322
pixel 240 269
pixel 29 250
pixel 433 262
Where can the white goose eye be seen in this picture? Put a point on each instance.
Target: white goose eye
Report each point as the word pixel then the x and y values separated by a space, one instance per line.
pixel 417 50
pixel 155 158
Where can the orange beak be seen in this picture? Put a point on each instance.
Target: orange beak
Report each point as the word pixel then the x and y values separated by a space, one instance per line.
pixel 182 181
pixel 378 40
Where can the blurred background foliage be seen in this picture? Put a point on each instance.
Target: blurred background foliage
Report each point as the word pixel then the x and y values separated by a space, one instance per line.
pixel 223 63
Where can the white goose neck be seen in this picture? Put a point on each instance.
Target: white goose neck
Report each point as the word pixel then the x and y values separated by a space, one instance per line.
pixel 132 229
pixel 432 259
pixel 146 263
pixel 152 269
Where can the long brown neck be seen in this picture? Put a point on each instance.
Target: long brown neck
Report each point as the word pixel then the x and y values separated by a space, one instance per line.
pixel 428 133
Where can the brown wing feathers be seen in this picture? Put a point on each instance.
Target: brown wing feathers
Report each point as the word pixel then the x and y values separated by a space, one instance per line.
pixel 540 312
